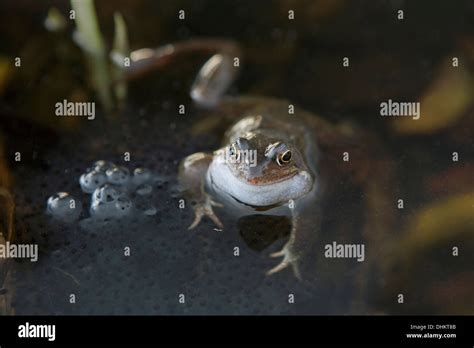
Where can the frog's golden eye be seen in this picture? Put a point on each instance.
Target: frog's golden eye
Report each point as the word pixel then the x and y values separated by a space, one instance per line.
pixel 284 158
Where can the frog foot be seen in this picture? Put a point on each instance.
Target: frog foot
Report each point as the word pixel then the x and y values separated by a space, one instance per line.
pixel 289 259
pixel 202 209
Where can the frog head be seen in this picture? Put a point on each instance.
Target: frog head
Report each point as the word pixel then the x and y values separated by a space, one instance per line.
pixel 260 170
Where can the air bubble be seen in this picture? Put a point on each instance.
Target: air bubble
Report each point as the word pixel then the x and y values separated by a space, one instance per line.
pixel 150 211
pixel 92 180
pixel 63 206
pixel 141 176
pixel 176 190
pixel 144 190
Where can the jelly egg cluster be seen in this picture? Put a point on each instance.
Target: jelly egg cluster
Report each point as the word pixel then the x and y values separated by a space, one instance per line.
pixel 114 193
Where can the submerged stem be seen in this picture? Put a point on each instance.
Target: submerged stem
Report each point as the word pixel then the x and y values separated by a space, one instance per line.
pixel 90 40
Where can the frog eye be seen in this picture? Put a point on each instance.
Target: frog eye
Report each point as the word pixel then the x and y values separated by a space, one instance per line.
pixel 233 152
pixel 284 157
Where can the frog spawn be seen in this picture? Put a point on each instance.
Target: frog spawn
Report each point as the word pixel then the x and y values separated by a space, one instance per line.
pixel 108 201
pixel 63 207
pixel 114 193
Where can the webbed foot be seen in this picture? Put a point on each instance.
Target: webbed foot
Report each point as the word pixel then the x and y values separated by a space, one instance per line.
pixel 204 208
pixel 289 259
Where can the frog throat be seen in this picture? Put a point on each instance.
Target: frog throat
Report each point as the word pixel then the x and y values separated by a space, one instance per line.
pixel 221 177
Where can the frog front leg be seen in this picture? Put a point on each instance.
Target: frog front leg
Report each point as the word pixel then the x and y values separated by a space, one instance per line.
pixel 192 176
pixel 304 232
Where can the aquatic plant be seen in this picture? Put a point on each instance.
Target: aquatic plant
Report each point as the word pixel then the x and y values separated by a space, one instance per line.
pixel 90 39
pixel 119 53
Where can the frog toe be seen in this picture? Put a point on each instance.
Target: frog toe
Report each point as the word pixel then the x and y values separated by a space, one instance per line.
pixel 281 266
pixel 288 260
pixel 205 210
pixel 197 219
pixel 215 219
pixel 278 254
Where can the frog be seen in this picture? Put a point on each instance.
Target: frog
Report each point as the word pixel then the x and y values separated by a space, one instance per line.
pixel 275 158
pixel 270 162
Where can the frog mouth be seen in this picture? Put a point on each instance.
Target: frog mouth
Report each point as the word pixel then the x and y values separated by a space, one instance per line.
pixel 259 181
